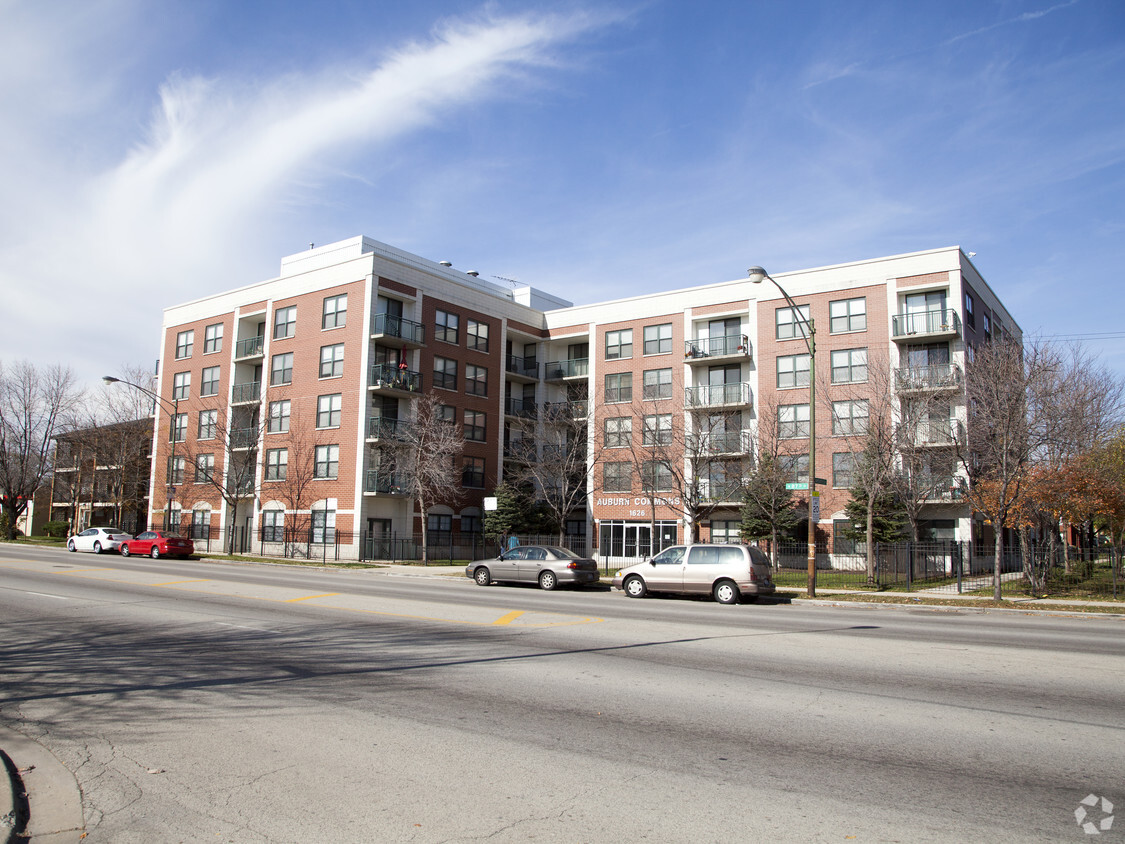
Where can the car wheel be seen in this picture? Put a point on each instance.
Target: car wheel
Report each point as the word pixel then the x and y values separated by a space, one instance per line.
pixel 70 545
pixel 482 576
pixel 97 548
pixel 548 580
pixel 154 552
pixel 124 550
pixel 634 587
pixel 725 592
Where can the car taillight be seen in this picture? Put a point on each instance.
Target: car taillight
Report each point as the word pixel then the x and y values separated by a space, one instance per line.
pixel 753 575
pixel 572 565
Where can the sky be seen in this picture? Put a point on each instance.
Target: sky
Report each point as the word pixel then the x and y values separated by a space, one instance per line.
pixel 156 152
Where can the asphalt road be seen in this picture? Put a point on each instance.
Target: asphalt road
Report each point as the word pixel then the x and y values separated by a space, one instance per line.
pixel 207 702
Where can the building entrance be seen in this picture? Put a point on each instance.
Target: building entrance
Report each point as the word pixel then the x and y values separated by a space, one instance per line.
pixel 626 543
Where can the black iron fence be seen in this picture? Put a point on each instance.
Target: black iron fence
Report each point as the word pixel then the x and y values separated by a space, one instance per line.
pixel 448 547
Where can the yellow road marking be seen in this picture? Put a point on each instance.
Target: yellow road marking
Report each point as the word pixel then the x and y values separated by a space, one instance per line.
pixel 509 618
pixel 175 582
pixel 309 597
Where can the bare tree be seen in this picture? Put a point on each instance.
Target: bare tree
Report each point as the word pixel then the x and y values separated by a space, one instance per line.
pixel 33 404
pixel 293 482
pixel 769 506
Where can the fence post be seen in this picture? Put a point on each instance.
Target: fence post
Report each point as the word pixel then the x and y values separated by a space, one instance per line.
pixel 960 564
pixel 909 566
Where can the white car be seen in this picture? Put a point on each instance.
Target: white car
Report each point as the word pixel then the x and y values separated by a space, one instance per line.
pixel 98 539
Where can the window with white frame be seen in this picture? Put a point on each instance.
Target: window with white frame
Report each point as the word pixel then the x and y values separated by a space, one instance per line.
pixel 619 344
pixel 277 464
pixel 279 417
pixel 181 385
pixel 793 421
pixel 618 431
pixel 284 322
pixel 847 315
pixel 657 429
pixel 281 371
pixel 617 477
pixel 185 340
pixel 213 338
pixel 725 532
pixel 209 385
pixel 656 476
pixel 657 384
pixel 849 417
pixel 335 313
pixel 447 326
pixel 658 339
pixel 332 361
pixel 326 461
pixel 273 526
pixel 323 526
pixel 843 470
pixel 790 323
pixel 849 366
pixel 178 430
pixel 208 424
pixel 619 387
pixel 201 523
pixel 792 371
pixel 328 410
pixel 476 380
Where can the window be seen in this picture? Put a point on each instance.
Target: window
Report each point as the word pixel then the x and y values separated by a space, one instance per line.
pixel 970 317
pixel 476 380
pixel 328 411
pixel 213 338
pixel 617 477
pixel 201 524
pixel 273 526
pixel 204 468
pixel 178 432
pixel 474 425
pixel 323 526
pixel 208 423
pixel 176 470
pixel 986 323
pixel 849 366
pixel 848 315
pixel 335 311
pixel 792 371
pixel 658 339
pixel 332 361
pixel 841 544
pixel 445 413
pixel 181 385
pixel 209 386
pixel 439 526
pixel 447 325
pixel 279 417
pixel 619 344
pixel 791 324
pixel 657 429
pixel 277 463
pixel 796 467
pixel 793 421
pixel 619 387
pixel 656 476
pixel 472 473
pixel 282 370
pixel 618 432
pixel 445 373
pixel 471 524
pixel 849 417
pixel 476 337
pixel 184 342
pixel 843 469
pixel 658 384
pixel 284 322
pixel 326 463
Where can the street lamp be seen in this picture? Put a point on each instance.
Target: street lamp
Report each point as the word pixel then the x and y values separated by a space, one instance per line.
pixel 109 379
pixel 757 275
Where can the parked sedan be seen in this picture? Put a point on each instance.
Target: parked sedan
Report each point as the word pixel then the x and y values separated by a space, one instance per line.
pixel 97 539
pixel 543 564
pixel 728 573
pixel 157 543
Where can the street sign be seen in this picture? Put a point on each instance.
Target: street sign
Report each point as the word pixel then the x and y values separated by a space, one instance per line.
pixel 816 507
pixel 796 486
pixel 821 481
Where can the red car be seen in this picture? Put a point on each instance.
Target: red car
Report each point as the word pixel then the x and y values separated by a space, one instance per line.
pixel 157 543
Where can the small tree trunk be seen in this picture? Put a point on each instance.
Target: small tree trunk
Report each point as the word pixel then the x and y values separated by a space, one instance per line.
pixel 870 542
pixel 998 548
pixel 773 549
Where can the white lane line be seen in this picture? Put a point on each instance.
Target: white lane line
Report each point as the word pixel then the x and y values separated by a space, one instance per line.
pixel 45 595
pixel 244 627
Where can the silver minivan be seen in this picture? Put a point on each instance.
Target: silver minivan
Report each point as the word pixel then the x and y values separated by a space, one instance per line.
pixel 726 572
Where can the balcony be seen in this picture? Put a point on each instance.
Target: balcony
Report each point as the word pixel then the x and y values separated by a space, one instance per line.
pixel 520 408
pixel 561 412
pixel 243 438
pixel 243 489
pixel 723 491
pixel 246 393
pixel 520 451
pixel 709 350
pixel 923 379
pixel 561 370
pixel 940 490
pixel 251 347
pixel 908 328
pixel 938 433
pixel 376 482
pixel 392 379
pixel 729 442
pixel 397 332
pixel 719 395
pixel 385 428
pixel 525 369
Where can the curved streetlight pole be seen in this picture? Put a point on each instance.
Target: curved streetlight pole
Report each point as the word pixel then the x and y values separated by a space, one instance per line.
pixel 757 275
pixel 109 379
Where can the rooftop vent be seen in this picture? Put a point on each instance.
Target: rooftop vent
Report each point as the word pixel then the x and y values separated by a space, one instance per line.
pixel 473 273
pixel 445 263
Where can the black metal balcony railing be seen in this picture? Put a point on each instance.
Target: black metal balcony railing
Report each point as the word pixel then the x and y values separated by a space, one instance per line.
pixel 715 395
pixel 386 375
pixel 558 369
pixel 527 367
pixel 383 483
pixel 520 407
pixel 384 428
pixel 250 391
pixel 385 325
pixel 926 322
pixel 243 437
pixel 249 348
pixel 934 377
pixel 731 344
pixel 564 411
pixel 732 442
pixel 938 432
pixel 944 488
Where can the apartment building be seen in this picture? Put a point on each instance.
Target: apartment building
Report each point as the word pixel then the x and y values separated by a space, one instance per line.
pixel 317 367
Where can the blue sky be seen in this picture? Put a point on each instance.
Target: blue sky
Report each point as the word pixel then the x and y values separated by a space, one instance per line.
pixel 156 152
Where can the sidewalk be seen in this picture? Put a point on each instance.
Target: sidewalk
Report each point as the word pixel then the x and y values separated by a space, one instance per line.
pixel 39 797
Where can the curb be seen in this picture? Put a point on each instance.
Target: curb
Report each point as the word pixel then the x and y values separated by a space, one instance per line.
pixel 51 800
